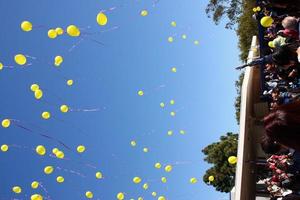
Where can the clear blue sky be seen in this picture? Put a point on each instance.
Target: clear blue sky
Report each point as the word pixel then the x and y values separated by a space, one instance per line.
pixel 135 56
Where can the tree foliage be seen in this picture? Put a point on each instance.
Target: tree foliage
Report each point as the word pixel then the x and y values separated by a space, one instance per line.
pixel 218 9
pixel 217 154
pixel 237 103
pixel 247 27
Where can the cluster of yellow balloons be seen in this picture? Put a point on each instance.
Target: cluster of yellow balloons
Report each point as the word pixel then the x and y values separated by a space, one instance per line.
pixel 53 33
pixel 256 9
pixel 38 93
pixel 59 154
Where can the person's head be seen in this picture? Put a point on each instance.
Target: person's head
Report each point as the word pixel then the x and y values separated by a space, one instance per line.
pixel 283 124
pixel 275 93
pixel 269 146
pixel 284 56
pixel 289 23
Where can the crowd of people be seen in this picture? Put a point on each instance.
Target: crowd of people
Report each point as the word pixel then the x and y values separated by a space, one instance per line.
pixel 280 67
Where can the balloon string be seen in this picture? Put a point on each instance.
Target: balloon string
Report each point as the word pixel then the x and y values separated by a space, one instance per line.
pixel 41 134
pixel 45 190
pixel 71 171
pixel 75 45
pixel 85 110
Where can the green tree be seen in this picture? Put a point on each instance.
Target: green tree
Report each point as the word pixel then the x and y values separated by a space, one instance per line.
pixel 237 103
pixel 217 154
pixel 218 9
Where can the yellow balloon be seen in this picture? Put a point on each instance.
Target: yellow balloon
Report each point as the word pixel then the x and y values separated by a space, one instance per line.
pixel 60 179
pixel 184 36
pixel 232 160
pixel 46 115
pixel 73 31
pixel 36 197
pixel 211 178
pixel 172 102
pixel 20 59
pixel 196 42
pixel 34 87
pixel 70 82
pixel 170 133
pixel 34 184
pixel 170 39
pixel 1 66
pixel 271 44
pixel 55 150
pixel 38 94
pixel 59 31
pixel 120 196
pixel 133 143
pixel 266 21
pixel 58 60
pixel 146 150
pixel 48 169
pixel 157 165
pixel 99 175
pixel 161 198
pixel 182 132
pixel 144 13
pixel 173 24
pixel 173 113
pixel 145 186
pixel 254 10
pixel 5 123
pixel 60 154
pixel 80 149
pixel 136 180
pixel 64 108
pixel 17 189
pixel 174 69
pixel 89 195
pixel 26 26
pixel 141 93
pixel 258 8
pixel 41 150
pixel 168 168
pixel 52 34
pixel 102 19
pixel 140 198
pixel 193 180
pixel 154 194
pixel 162 104
pixel 4 147
pixel 163 179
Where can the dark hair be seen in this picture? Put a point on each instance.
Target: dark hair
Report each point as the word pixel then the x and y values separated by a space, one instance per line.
pixel 283 125
pixel 291 197
pixel 283 55
pixel 269 146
